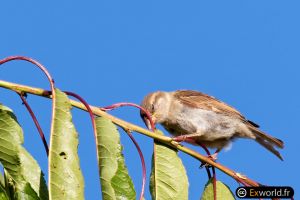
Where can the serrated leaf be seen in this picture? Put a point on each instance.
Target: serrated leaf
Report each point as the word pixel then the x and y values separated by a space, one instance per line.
pixel 25 178
pixel 65 177
pixel 116 183
pixel 223 191
pixel 168 178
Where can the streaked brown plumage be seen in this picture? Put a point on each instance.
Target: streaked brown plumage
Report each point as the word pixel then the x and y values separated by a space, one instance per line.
pixel 204 119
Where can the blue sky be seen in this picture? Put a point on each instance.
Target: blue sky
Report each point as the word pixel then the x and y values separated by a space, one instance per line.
pixel 245 53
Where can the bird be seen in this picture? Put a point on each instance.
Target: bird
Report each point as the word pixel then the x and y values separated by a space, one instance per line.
pixel 201 119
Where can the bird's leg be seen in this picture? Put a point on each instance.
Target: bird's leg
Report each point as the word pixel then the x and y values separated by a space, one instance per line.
pixel 190 138
pixel 213 157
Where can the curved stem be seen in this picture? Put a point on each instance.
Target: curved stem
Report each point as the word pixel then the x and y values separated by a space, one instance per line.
pixel 142 161
pixel 35 122
pixel 39 65
pixel 88 108
pixel 167 140
pixel 117 105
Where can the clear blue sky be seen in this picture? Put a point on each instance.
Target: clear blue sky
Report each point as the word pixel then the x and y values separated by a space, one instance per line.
pixel 245 53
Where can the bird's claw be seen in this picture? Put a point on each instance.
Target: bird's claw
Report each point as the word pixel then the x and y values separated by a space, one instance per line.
pixel 212 157
pixel 180 138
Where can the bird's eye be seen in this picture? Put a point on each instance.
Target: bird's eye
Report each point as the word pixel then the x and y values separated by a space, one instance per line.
pixel 143 115
pixel 152 107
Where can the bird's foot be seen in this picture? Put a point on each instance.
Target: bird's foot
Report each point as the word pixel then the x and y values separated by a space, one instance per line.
pixel 184 138
pixel 212 157
pixel 180 138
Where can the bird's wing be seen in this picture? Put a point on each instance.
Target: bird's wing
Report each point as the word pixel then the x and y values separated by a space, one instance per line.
pixel 197 99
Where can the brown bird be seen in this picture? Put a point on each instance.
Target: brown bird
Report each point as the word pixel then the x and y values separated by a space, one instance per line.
pixel 201 119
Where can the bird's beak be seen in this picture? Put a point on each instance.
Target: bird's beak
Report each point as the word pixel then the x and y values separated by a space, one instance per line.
pixel 148 124
pixel 147 121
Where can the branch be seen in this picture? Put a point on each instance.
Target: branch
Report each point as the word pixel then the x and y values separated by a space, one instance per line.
pixel 164 139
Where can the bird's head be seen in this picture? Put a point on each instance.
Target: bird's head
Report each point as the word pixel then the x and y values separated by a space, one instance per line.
pixel 157 104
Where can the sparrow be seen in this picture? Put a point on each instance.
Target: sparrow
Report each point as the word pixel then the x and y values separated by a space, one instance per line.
pixel 203 119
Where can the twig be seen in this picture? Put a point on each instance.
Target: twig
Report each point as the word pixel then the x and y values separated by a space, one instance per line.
pixel 167 140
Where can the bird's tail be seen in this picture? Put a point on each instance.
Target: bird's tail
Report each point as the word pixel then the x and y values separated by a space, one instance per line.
pixel 268 141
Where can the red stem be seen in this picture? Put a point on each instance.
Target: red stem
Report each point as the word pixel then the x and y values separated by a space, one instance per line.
pixel 214 183
pixel 88 109
pixel 10 58
pixel 204 147
pixel 143 163
pixel 117 105
pixel 42 136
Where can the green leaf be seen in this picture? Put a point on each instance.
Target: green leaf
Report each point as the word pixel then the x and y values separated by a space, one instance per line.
pixel 24 176
pixel 3 194
pixel 2 181
pixel 168 177
pixel 65 177
pixel 223 191
pixel 115 181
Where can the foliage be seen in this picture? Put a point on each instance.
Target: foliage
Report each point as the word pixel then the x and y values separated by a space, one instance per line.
pixel 223 191
pixel 65 177
pixel 115 180
pixel 168 177
pixel 23 178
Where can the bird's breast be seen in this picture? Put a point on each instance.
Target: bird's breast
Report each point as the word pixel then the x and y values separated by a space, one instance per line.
pixel 208 124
